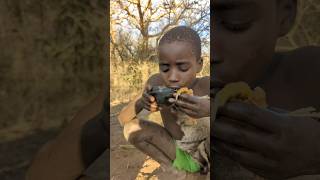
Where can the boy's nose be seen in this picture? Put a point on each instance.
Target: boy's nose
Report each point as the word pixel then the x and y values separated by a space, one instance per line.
pixel 173 78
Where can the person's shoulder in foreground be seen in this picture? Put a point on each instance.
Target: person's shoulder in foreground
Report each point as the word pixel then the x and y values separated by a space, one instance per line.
pixel 63 157
pixel 302 63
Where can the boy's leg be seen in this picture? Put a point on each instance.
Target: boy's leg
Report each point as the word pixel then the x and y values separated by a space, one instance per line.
pixel 152 139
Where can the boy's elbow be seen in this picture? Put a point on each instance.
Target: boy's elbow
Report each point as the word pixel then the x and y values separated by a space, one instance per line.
pixel 123 117
pixel 127 114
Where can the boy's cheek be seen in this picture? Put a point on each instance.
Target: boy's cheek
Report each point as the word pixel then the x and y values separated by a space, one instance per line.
pixel 240 52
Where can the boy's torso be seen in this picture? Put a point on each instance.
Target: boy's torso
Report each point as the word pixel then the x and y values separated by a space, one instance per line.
pixel 201 87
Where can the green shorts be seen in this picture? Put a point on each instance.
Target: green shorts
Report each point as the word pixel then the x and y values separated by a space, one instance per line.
pixel 185 162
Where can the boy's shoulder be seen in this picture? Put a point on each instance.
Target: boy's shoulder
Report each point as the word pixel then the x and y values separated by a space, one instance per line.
pixel 203 85
pixel 302 63
pixel 300 71
pixel 304 55
pixel 204 81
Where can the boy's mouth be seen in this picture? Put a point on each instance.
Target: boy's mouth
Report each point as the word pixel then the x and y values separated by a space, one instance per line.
pixel 174 87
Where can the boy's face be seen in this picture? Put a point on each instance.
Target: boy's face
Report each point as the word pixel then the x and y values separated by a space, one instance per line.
pixel 178 64
pixel 245 33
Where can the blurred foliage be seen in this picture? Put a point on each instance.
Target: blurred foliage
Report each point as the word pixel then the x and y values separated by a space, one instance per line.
pixel 51 54
pixel 306 30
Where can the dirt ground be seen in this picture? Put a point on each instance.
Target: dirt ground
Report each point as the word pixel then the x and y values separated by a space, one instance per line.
pixel 126 163
pixel 129 163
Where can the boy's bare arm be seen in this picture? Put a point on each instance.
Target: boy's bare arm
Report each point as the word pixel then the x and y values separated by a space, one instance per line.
pixel 130 112
pixel 61 158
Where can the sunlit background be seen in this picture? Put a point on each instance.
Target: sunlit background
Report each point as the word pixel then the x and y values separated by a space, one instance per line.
pixel 136 27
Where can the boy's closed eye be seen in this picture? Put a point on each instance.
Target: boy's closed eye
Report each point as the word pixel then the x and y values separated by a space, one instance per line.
pixel 236 18
pixel 183 66
pixel 164 67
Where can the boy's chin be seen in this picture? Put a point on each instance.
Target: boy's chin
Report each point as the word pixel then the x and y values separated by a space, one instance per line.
pixel 225 78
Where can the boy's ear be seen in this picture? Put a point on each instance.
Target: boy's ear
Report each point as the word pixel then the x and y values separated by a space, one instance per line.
pixel 287 11
pixel 200 65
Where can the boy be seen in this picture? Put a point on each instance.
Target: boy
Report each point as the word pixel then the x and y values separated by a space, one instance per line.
pixel 267 142
pixel 180 60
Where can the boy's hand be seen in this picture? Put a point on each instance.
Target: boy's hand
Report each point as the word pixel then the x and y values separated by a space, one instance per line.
pixel 148 101
pixel 193 106
pixel 271 144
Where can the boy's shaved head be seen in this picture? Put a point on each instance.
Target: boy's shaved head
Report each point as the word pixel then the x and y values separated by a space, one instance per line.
pixel 186 34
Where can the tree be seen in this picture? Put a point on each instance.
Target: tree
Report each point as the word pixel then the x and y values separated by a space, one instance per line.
pixel 146 21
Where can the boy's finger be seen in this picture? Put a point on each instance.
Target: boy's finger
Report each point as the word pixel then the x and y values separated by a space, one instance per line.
pixel 171 100
pixel 146 102
pixel 149 97
pixel 236 134
pixel 152 99
pixel 188 98
pixel 188 112
pixel 243 155
pixel 247 113
pixel 153 109
pixel 147 108
pixel 154 105
pixel 186 105
pixel 145 95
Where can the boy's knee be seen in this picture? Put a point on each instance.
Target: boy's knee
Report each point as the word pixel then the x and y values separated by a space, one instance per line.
pixel 129 128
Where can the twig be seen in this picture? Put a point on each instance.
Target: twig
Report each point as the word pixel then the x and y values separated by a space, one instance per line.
pixel 126 146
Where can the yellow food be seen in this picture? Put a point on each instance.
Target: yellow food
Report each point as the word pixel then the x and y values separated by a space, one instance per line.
pixel 241 91
pixel 185 90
